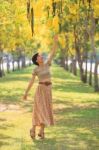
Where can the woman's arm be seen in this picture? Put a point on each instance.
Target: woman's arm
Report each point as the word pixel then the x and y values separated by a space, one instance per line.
pixel 53 51
pixel 29 87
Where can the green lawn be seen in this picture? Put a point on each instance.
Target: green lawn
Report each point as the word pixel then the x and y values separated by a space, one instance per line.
pixel 76 113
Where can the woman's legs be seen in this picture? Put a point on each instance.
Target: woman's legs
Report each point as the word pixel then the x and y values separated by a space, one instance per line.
pixel 34 127
pixel 41 132
pixel 42 127
pixel 32 132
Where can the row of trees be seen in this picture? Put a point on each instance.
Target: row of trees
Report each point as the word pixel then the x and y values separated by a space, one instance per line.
pixel 82 40
pixel 28 26
pixel 77 23
pixel 15 34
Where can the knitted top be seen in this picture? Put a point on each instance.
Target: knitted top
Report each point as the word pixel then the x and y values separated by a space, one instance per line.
pixel 42 72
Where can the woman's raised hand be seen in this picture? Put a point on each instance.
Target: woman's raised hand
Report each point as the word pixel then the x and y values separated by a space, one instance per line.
pixel 56 38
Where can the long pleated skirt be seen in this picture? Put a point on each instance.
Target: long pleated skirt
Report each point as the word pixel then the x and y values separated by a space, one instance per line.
pixel 42 107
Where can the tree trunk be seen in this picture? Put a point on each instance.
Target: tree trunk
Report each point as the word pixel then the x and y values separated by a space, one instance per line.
pixel 90 73
pixel 74 69
pixel 96 85
pixel 13 69
pixel 1 62
pixel 23 61
pixel 8 65
pixel 78 53
pixel 92 36
pixel 62 58
pixel 85 72
pixel 62 62
pixel 66 63
pixel 66 51
pixel 18 62
pixel 1 73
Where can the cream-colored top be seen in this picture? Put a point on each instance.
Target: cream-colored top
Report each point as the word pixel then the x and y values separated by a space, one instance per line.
pixel 43 72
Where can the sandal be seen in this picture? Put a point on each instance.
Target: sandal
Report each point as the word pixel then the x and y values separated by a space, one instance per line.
pixel 32 133
pixel 41 135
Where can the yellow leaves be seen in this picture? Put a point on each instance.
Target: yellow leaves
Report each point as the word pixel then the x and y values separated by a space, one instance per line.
pixel 73 8
pixel 43 26
pixel 56 0
pixel 36 30
pixel 40 30
pixel 95 2
pixel 53 24
pixel 49 40
pixel 62 40
pixel 47 2
pixel 38 8
pixel 11 45
pixel 56 24
pixel 49 23
pixel 96 36
pixel 96 9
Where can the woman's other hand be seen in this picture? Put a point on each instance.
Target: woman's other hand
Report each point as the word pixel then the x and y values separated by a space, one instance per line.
pixel 25 97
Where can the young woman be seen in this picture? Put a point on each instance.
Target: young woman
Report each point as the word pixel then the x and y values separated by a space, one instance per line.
pixel 42 109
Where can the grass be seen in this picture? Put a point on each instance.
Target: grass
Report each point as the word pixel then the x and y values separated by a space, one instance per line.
pixel 76 113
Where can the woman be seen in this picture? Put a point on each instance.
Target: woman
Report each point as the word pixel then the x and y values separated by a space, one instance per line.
pixel 42 110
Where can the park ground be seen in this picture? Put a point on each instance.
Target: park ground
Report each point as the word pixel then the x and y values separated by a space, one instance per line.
pixel 76 113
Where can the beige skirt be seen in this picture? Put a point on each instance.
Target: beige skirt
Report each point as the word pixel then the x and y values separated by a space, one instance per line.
pixel 42 108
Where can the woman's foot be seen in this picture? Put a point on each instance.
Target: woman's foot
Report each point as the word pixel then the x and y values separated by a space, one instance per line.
pixel 32 133
pixel 41 134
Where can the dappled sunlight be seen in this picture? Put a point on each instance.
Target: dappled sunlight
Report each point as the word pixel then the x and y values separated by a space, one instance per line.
pixel 84 131
pixel 75 112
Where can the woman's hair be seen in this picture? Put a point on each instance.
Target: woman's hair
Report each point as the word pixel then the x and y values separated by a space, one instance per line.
pixel 34 59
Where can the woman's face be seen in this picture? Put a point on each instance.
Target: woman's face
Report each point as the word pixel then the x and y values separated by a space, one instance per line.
pixel 40 58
